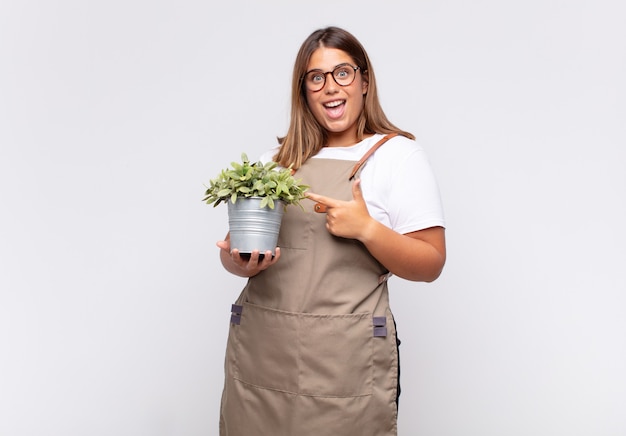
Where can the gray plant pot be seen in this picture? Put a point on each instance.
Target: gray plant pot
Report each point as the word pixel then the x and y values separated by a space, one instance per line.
pixel 252 227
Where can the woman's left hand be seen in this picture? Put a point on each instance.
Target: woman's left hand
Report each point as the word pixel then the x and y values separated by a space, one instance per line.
pixel 417 256
pixel 347 219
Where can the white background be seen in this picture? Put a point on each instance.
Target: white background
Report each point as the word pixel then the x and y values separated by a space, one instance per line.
pixel 113 115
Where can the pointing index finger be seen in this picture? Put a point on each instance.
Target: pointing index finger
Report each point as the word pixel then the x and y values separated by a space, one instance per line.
pixel 321 203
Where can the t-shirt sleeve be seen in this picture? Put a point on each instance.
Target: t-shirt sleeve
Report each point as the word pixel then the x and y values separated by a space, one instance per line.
pixel 415 202
pixel 411 199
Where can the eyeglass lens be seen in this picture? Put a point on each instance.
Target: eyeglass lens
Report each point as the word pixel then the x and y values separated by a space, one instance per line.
pixel 343 75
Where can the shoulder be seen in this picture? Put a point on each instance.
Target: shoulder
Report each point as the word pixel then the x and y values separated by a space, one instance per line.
pixel 397 161
pixel 268 155
pixel 401 145
pixel 401 183
pixel 399 152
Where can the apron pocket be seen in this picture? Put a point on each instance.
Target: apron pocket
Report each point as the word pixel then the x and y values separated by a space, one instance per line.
pixel 266 349
pixel 336 355
pixel 305 354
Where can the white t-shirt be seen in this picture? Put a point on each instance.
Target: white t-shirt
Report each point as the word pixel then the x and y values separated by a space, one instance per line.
pixel 398 185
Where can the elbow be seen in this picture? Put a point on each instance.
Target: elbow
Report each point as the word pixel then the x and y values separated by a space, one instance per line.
pixel 434 271
pixel 429 255
pixel 429 277
pixel 421 274
pixel 434 276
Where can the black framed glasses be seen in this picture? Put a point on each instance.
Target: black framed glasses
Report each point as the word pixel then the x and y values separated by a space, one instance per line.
pixel 343 75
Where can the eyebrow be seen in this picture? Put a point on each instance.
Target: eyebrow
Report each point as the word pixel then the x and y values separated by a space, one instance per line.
pixel 334 68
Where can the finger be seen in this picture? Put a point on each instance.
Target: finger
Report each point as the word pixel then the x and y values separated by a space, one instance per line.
pixel 357 193
pixel 267 259
pixel 272 258
pixel 319 206
pixel 325 201
pixel 234 254
pixel 330 202
pixel 224 245
pixel 254 259
pixel 314 197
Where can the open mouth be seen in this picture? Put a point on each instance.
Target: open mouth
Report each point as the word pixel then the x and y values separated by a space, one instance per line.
pixel 334 104
pixel 335 109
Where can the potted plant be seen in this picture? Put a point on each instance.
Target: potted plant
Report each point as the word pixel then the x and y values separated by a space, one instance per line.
pixel 257 195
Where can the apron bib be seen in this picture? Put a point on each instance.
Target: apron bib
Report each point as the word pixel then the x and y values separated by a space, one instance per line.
pixel 312 344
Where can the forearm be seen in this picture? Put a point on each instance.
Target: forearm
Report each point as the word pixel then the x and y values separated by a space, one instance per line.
pixel 417 256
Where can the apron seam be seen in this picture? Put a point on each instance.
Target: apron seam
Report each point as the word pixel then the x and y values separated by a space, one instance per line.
pixel 265 388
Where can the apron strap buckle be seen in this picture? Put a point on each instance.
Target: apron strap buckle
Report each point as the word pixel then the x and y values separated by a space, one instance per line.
pixel 235 317
pixel 380 326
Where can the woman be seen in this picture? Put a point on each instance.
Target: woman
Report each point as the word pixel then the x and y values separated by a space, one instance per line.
pixel 312 345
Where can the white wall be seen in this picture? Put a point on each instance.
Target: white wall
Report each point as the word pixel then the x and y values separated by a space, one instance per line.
pixel 113 308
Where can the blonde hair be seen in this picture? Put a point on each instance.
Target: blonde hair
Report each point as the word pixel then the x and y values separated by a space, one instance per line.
pixel 305 136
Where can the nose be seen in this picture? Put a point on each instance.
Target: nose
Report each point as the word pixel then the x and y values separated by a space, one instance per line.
pixel 330 85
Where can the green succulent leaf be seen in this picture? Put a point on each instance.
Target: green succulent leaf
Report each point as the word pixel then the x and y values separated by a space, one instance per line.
pixel 254 179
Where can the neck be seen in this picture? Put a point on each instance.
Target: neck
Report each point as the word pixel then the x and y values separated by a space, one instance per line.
pixel 343 139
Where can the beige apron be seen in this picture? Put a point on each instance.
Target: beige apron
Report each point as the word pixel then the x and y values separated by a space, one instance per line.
pixel 312 343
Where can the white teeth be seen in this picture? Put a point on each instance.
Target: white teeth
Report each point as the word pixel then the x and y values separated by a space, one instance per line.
pixel 334 103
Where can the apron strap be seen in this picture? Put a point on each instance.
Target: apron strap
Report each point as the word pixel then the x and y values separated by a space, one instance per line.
pixel 322 208
pixel 371 151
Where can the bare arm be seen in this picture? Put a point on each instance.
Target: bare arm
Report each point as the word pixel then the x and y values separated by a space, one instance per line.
pixel 416 256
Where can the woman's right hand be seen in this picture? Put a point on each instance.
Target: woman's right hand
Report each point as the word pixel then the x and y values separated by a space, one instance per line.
pixel 244 266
